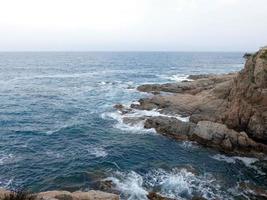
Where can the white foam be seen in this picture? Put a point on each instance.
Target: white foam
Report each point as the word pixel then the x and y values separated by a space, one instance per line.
pixel 176 77
pixel 5 183
pixel 135 128
pixel 224 158
pixel 183 183
pixel 6 158
pixel 188 145
pixel 135 113
pixel 180 78
pixel 54 154
pixel 130 185
pixel 175 184
pixel 248 162
pixel 98 152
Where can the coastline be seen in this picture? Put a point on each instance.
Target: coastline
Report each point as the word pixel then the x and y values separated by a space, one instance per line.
pixel 227 112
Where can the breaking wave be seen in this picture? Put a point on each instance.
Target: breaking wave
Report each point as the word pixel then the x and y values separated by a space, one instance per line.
pixel 176 77
pixel 178 183
pixel 140 116
pixel 248 162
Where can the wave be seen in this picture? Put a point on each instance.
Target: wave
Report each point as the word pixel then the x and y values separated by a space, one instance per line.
pixel 97 151
pixel 5 183
pixel 134 128
pixel 248 162
pixel 130 185
pixel 176 184
pixel 7 158
pixel 54 154
pixel 137 126
pixel 188 145
pixel 176 77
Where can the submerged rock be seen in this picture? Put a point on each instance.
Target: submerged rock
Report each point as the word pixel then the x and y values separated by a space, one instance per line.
pixel 156 196
pixel 253 192
pixel 122 108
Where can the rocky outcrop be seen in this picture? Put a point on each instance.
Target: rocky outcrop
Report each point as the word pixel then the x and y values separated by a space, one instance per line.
pixel 207 133
pixel 247 100
pixel 64 195
pixel 228 112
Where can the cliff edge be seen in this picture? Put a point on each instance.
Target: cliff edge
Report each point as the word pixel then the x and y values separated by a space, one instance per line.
pixel 227 112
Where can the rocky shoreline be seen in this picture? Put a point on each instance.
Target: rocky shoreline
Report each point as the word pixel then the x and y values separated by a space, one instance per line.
pixel 226 112
pixel 58 195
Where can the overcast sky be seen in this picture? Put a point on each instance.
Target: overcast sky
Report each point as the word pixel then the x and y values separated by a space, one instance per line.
pixel 168 25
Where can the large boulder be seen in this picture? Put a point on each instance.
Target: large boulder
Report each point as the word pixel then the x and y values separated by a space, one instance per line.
pixel 171 127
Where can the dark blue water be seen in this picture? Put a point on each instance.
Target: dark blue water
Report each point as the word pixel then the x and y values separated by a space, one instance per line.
pixel 58 128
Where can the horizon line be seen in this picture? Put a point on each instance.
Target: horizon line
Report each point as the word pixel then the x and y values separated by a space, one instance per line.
pixel 122 51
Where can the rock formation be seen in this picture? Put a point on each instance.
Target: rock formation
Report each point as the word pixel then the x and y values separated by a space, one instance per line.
pixel 61 195
pixel 228 112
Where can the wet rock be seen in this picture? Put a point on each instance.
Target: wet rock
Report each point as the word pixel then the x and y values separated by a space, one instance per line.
pixel 107 186
pixel 156 196
pixel 254 192
pixel 170 126
pixel 133 120
pixel 122 108
pixel 198 198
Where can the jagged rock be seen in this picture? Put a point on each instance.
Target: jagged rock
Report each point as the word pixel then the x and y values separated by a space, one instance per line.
pixel 171 127
pixel 207 133
pixel 229 111
pixel 247 105
pixel 191 87
pixel 122 108
pixel 199 76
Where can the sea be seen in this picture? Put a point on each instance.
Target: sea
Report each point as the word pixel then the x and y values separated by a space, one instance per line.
pixel 59 130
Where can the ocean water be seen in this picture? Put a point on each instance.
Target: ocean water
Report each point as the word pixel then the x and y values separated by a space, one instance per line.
pixel 59 130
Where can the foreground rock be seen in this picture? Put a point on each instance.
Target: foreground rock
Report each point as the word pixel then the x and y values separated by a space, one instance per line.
pixel 65 195
pixel 228 112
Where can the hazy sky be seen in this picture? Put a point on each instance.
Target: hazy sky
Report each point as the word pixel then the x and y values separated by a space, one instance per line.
pixel 182 25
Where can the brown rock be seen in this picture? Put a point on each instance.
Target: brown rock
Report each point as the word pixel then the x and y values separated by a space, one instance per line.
pixel 65 195
pixel 156 196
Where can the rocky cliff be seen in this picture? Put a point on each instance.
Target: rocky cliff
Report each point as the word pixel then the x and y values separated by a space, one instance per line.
pixel 227 112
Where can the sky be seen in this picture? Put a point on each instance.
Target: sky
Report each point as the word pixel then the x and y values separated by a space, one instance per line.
pixel 133 25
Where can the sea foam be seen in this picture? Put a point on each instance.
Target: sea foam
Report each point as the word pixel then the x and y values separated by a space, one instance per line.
pixel 247 161
pixel 135 113
pixel 177 184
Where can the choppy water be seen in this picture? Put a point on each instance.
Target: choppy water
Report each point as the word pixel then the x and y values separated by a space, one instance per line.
pixel 58 128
